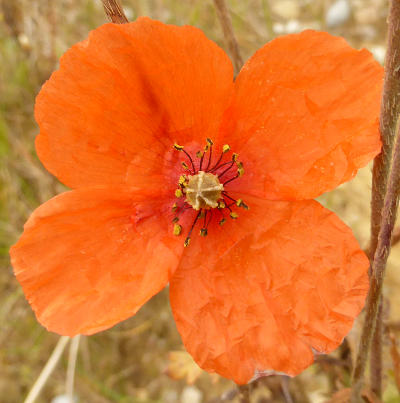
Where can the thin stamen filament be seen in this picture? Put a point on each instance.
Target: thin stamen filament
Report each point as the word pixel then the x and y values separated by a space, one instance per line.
pixel 229 197
pixel 226 170
pixel 205 218
pixel 230 180
pixel 228 206
pixel 209 159
pixel 191 229
pixel 220 166
pixel 201 161
pixel 190 159
pixel 216 165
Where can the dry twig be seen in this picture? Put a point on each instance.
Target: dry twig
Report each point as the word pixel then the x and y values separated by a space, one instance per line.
pixel 73 354
pixel 114 11
pixel 389 213
pixel 285 389
pixel 226 23
pixel 390 109
pixel 47 370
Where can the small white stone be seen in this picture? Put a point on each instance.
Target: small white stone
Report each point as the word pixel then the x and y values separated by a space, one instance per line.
pixel 278 28
pixel 63 399
pixel 379 53
pixel 130 14
pixel 338 13
pixel 191 394
pixel 293 26
pixel 24 41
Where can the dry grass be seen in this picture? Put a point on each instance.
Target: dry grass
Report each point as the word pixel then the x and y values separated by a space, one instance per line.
pixel 128 362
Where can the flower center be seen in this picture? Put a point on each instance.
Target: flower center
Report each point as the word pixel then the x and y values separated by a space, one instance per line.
pixel 204 188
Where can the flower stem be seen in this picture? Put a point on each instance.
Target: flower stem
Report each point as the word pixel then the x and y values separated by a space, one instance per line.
pixel 389 213
pixel 47 369
pixel 285 389
pixel 390 109
pixel 114 11
pixel 226 23
pixel 396 236
pixel 376 354
pixel 73 355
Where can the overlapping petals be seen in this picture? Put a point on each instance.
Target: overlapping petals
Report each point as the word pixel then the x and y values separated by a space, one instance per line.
pixel 90 258
pixel 305 115
pixel 120 100
pixel 256 298
pixel 257 294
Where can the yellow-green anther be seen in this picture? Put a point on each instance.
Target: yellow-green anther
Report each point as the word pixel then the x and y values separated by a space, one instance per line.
pixel 178 147
pixel 203 232
pixel 174 207
pixel 178 193
pixel 225 148
pixel 185 166
pixel 222 222
pixel 235 157
pixel 199 154
pixel 221 204
pixel 244 205
pixel 234 215
pixel 182 180
pixel 209 141
pixel 177 229
pixel 240 170
pixel 241 203
pixel 187 242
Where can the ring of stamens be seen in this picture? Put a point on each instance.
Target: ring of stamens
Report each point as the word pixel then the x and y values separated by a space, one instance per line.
pixel 204 190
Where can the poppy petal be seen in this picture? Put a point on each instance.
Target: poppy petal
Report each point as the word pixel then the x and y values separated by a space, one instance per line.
pixel 121 99
pixel 286 278
pixel 304 116
pixel 90 258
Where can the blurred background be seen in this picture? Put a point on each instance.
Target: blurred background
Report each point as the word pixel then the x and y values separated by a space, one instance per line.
pixel 142 359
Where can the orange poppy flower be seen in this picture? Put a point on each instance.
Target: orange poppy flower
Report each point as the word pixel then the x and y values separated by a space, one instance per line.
pixel 164 149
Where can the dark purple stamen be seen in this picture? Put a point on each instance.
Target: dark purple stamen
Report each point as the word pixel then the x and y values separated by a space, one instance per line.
pixel 187 240
pixel 227 169
pixel 229 197
pixel 220 166
pixel 209 159
pixel 230 180
pixel 206 213
pixel 190 159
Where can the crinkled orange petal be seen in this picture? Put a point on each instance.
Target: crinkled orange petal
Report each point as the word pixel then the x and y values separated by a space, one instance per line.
pixel 90 258
pixel 304 116
pixel 262 293
pixel 124 96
